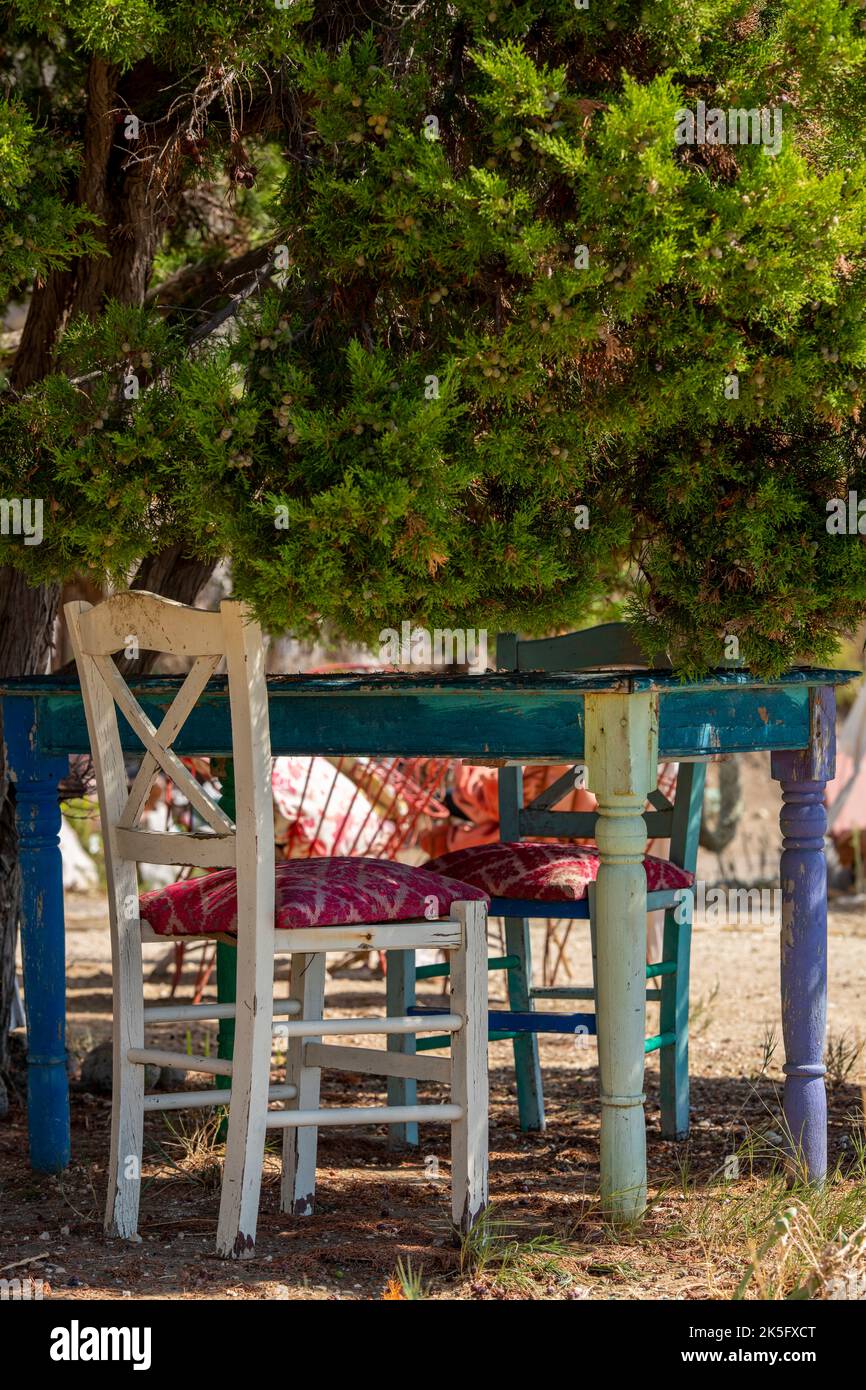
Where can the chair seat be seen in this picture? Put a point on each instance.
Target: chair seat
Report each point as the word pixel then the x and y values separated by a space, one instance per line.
pixel 540 872
pixel 329 892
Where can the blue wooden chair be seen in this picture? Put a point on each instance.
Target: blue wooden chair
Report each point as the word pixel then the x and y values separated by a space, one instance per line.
pixel 679 822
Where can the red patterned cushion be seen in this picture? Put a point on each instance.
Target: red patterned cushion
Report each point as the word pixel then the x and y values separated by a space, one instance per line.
pixel 309 893
pixel 546 873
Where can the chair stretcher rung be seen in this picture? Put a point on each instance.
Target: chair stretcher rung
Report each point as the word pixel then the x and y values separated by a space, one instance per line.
pixel 430 1044
pixel 364 1115
pixel 180 1013
pixel 531 907
pixel 157 1057
pixel 444 1040
pixel 441 934
pixel 197 1100
pixel 436 972
pixel 369 1061
pixel 528 1021
pixel 664 967
pixel 320 1027
pixel 562 992
pixel 660 1040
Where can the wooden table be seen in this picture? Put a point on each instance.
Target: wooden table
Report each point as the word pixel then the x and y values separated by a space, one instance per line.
pixel 619 723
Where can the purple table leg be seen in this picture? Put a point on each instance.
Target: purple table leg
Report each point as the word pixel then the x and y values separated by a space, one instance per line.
pixel 803 776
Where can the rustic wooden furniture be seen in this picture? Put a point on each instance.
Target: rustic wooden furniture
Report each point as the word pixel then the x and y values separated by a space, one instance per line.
pixel 620 723
pixel 679 821
pixel 245 844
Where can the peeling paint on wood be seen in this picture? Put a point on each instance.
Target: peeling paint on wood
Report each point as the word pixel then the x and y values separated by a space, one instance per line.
pixel 622 751
pixel 803 944
pixel 37 809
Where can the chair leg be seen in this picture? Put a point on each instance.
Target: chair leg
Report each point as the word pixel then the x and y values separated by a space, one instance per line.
pixel 402 1090
pixel 593 946
pixel 248 1110
pixel 469 1087
pixel 674 1018
pixel 527 1066
pixel 127 1084
pixel 298 1185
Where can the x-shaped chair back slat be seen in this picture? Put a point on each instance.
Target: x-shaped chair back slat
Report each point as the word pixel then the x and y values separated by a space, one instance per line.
pixel 153 623
pixel 160 755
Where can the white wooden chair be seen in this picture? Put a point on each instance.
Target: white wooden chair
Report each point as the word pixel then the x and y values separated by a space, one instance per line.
pixel 247 844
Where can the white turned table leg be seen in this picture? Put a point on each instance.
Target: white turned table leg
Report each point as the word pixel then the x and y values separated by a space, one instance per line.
pixel 621 755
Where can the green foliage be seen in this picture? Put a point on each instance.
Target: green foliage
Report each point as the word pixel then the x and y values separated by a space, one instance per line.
pixel 38 228
pixel 186 32
pixel 402 425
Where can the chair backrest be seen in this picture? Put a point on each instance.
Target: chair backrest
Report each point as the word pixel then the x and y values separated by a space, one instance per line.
pixel 148 622
pixel 605 647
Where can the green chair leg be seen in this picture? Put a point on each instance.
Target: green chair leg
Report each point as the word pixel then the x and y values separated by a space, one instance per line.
pixel 530 1095
pixel 674 1018
pixel 402 1090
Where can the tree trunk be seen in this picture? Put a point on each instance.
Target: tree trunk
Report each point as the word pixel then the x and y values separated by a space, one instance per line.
pixel 133 187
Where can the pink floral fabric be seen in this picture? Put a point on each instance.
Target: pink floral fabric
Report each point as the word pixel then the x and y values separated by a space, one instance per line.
pixel 318 810
pixel 339 891
pixel 546 873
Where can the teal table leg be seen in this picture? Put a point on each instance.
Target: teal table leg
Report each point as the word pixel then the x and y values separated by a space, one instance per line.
pixel 226 956
pixel 400 998
pixel 226 983
pixel 674 1013
pixel 527 1064
pixel 621 755
pixel 43 945
pixel 674 1018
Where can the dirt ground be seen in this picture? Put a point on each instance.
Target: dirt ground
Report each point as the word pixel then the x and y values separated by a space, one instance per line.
pixel 377 1208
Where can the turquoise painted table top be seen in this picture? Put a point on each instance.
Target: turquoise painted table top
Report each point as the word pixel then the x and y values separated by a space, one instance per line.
pixel 529 715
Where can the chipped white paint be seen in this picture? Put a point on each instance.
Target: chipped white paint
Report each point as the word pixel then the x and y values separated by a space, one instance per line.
pixel 160 625
pixel 298 1182
pixel 310 1121
pixel 248 844
pixel 254 994
pixel 443 935
pixel 621 753
pixel 127 1108
pixel 469 1087
pixel 429 1023
pixel 199 1100
pixel 162 1057
pixel 465 1070
pixel 182 1013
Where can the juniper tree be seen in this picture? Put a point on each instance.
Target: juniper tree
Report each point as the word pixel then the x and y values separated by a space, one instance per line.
pixel 124 173
pixel 539 306
pixel 525 344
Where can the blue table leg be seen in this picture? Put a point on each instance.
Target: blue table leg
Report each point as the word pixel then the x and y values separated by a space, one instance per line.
pixel 42 935
pixel 803 777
